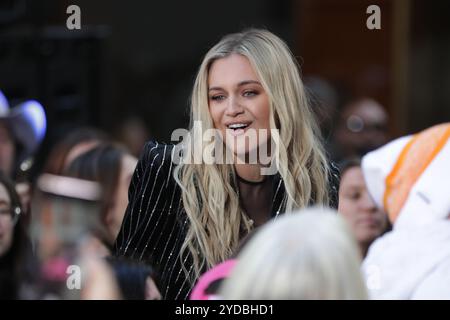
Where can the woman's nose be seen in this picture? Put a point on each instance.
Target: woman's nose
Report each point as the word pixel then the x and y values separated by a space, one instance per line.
pixel 367 202
pixel 234 107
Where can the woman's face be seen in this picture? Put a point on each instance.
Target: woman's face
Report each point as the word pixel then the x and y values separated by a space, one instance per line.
pixel 6 221
pixel 238 104
pixel 357 207
pixel 115 216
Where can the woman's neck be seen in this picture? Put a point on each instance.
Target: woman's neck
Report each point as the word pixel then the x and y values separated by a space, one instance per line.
pixel 249 172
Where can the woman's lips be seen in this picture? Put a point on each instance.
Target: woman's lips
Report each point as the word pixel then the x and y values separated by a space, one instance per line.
pixel 369 221
pixel 236 132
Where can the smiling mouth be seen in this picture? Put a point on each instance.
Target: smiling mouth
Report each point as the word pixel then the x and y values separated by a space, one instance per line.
pixel 237 126
pixel 237 129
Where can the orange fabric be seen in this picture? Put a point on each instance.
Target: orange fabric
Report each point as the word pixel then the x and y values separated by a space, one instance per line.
pixel 412 162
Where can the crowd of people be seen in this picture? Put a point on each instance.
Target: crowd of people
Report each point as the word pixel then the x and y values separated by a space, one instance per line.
pixel 351 216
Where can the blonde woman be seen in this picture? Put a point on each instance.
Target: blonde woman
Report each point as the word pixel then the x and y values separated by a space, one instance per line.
pixel 185 216
pixel 310 255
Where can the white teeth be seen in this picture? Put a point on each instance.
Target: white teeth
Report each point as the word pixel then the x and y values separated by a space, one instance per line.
pixel 237 125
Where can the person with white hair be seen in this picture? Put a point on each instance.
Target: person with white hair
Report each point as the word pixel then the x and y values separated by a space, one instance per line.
pixel 309 254
pixel 408 178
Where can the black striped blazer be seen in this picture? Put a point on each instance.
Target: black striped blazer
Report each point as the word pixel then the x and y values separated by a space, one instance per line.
pixel 155 223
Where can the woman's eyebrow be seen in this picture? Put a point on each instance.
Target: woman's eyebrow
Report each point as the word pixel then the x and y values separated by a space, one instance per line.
pixel 240 84
pixel 243 83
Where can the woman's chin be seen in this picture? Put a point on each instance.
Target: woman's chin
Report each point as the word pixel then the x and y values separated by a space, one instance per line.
pixel 245 154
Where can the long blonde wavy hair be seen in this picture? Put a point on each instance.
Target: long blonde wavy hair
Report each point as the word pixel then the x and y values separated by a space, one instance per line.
pixel 210 198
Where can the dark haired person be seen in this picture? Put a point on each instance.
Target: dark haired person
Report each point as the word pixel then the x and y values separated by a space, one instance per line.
pixel 112 167
pixel 356 206
pixel 13 241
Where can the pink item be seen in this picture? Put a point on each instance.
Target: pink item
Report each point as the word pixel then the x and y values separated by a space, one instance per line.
pixel 220 271
pixel 55 269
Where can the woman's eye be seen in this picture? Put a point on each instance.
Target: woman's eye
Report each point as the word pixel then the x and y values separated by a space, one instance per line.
pixel 354 196
pixel 250 93
pixel 218 97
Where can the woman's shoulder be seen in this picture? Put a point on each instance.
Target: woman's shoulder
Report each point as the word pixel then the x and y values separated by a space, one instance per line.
pixel 155 148
pixel 155 152
pixel 155 163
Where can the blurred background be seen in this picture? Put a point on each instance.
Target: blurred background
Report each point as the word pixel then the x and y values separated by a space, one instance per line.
pixel 132 65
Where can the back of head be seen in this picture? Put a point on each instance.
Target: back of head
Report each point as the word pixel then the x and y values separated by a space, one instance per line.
pixel 110 166
pixel 305 255
pixel 101 164
pixel 64 151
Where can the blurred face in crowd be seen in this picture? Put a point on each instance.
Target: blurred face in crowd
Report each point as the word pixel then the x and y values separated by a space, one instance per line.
pixel 363 128
pixel 115 216
pixel 237 102
pixel 357 207
pixel 6 221
pixel 7 150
